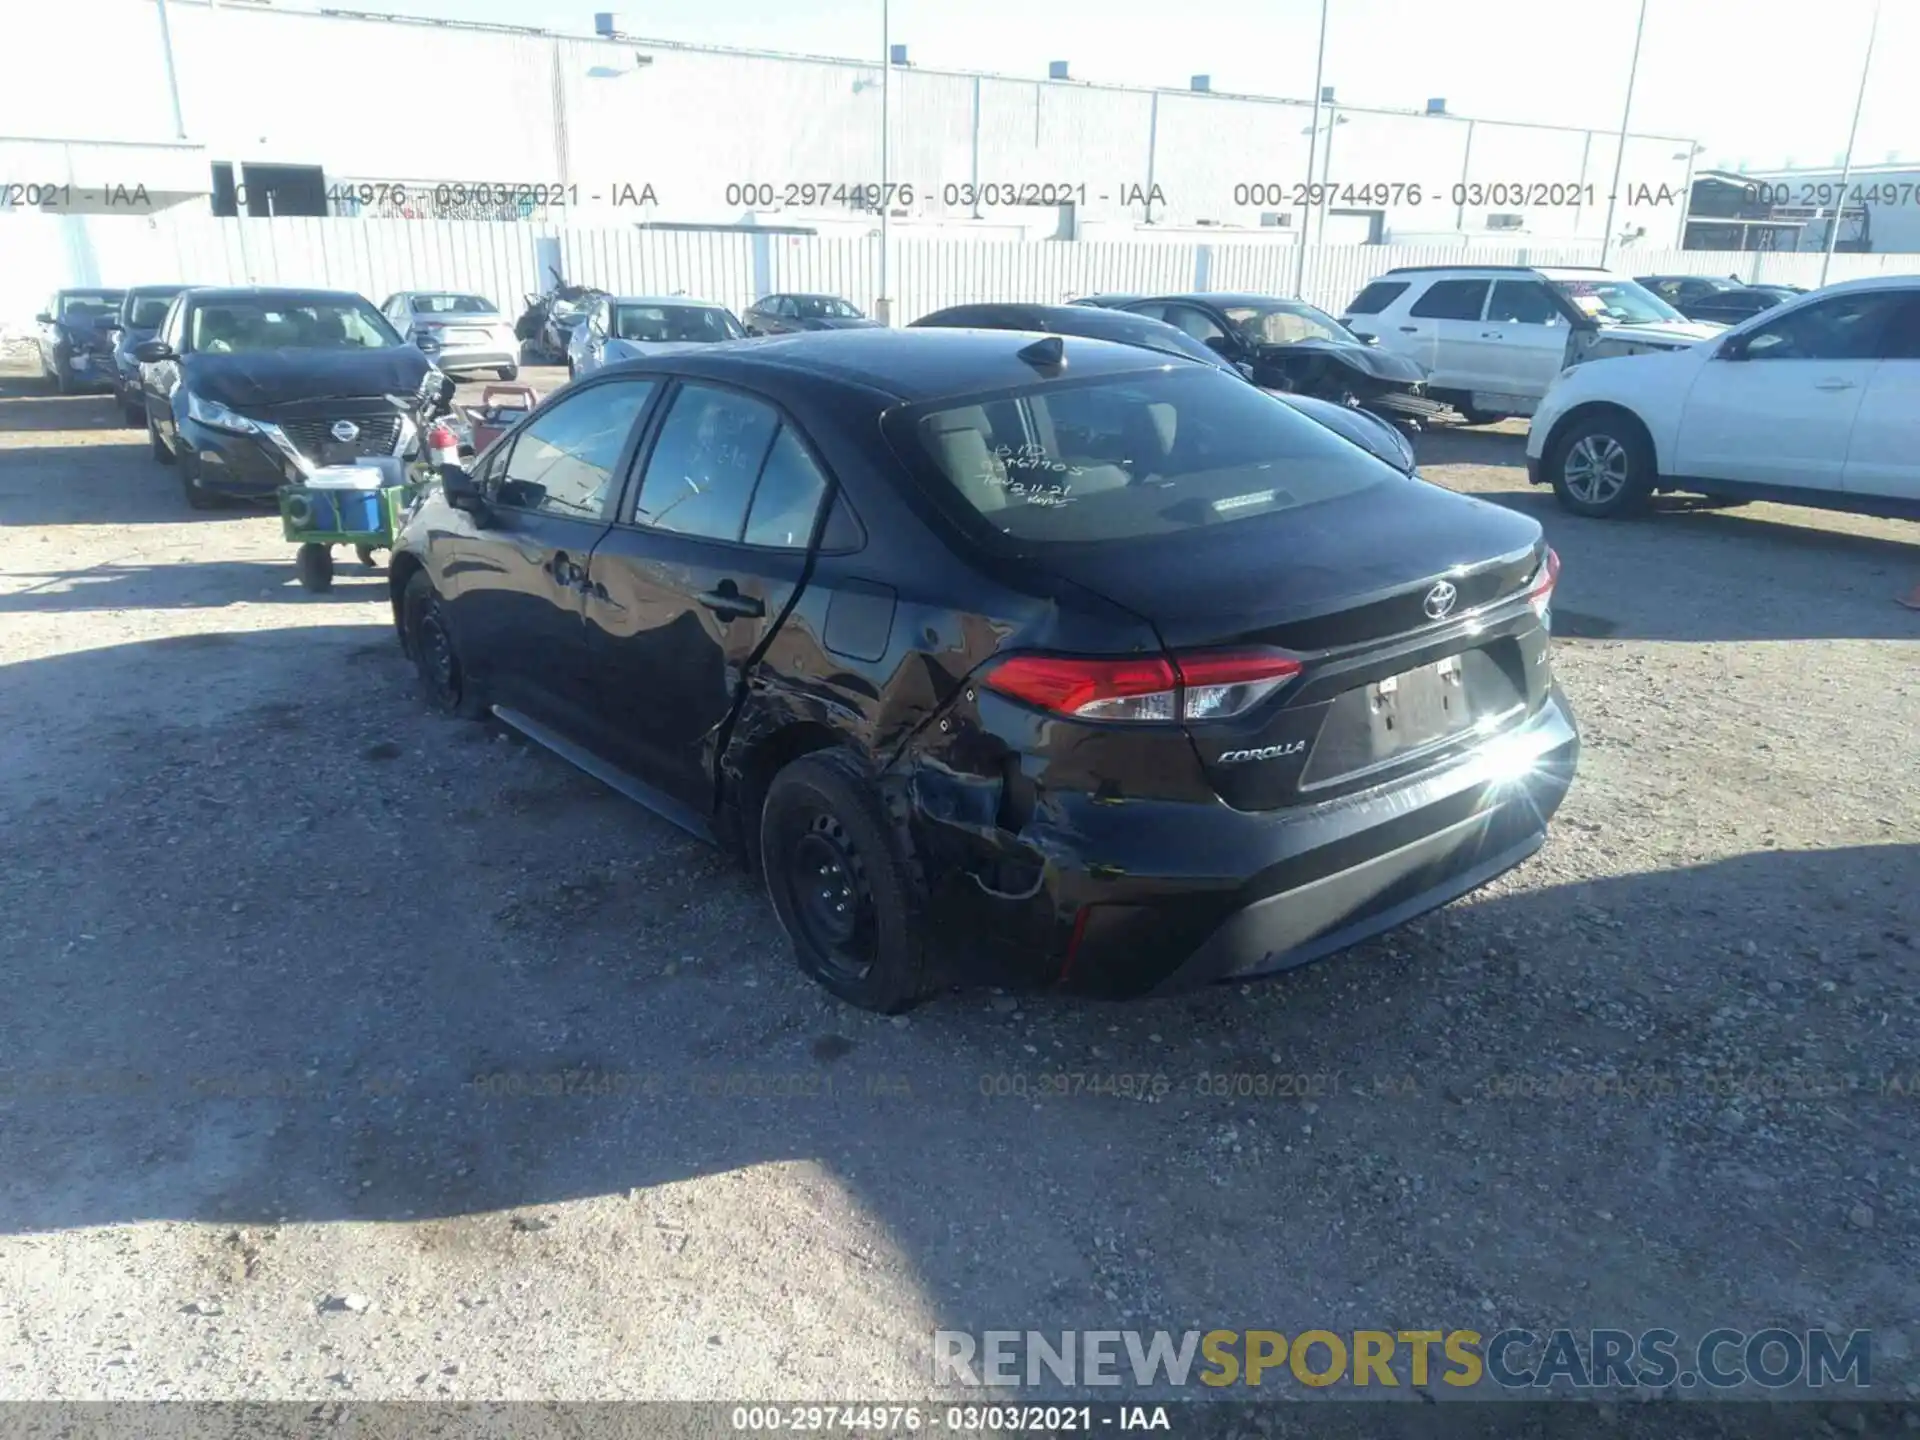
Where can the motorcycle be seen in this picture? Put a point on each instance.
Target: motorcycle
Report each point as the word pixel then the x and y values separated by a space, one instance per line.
pixel 548 321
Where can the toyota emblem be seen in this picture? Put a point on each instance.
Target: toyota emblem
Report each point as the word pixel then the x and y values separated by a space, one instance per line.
pixel 1439 601
pixel 345 431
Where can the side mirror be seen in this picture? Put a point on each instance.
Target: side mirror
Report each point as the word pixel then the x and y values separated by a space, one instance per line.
pixel 462 494
pixel 1221 345
pixel 43 318
pixel 151 352
pixel 1734 349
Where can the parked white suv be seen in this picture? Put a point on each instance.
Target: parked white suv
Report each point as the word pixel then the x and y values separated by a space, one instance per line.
pixel 1815 402
pixel 1493 337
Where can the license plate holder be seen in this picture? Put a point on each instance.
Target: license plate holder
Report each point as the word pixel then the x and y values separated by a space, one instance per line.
pixel 1419 706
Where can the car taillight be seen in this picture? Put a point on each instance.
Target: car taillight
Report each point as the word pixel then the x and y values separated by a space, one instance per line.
pixel 443 446
pixel 1540 597
pixel 1202 686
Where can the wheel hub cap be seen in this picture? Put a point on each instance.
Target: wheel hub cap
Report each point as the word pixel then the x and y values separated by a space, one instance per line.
pixel 1596 469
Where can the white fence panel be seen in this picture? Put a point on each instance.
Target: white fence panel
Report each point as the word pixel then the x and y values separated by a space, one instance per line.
pixel 499 259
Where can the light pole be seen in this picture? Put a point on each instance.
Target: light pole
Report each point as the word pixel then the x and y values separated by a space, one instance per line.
pixel 883 306
pixel 1846 166
pixel 1313 141
pixel 173 84
pixel 1620 151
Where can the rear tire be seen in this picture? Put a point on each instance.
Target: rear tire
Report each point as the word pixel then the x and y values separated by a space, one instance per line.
pixel 508 372
pixel 444 681
pixel 1603 467
pixel 845 891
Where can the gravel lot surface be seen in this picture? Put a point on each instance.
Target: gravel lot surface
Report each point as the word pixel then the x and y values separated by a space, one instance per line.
pixel 283 955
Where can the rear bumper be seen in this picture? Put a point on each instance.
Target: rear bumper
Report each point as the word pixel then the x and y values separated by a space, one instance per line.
pixel 1142 899
pixel 477 357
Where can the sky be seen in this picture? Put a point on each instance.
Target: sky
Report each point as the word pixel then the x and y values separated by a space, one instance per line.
pixel 1762 86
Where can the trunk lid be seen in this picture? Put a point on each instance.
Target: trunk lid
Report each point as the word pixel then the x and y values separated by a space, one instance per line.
pixel 1346 586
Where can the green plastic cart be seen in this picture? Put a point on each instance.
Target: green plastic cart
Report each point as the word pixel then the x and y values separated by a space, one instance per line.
pixel 318 517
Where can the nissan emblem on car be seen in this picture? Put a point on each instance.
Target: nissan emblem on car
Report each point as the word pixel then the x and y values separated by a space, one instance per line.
pixel 1439 601
pixel 345 431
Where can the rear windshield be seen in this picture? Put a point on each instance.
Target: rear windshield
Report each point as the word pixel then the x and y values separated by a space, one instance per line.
pixel 652 323
pixel 1126 457
pixel 452 305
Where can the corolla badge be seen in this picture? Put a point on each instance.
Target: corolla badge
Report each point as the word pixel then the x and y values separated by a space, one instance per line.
pixel 345 431
pixel 1440 600
pixel 1265 752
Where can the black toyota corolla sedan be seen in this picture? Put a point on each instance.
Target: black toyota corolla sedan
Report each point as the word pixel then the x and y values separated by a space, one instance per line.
pixel 1004 657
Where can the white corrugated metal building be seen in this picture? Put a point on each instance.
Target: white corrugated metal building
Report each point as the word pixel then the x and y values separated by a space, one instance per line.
pixel 670 128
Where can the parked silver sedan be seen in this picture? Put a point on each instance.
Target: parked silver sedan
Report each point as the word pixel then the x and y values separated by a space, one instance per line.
pixel 620 327
pixel 458 331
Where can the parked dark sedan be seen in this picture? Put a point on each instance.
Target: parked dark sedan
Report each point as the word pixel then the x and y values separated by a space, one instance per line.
pixel 792 314
pixel 1290 345
pixel 1680 291
pixel 248 389
pixel 75 351
pixel 138 320
pixel 1031 661
pixel 1363 428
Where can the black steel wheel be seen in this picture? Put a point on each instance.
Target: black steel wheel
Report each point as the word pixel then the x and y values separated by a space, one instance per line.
pixel 436 658
pixel 841 883
pixel 314 565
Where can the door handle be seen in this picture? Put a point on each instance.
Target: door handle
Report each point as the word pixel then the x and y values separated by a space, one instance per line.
pixel 729 604
pixel 1491 335
pixel 1834 385
pixel 1410 329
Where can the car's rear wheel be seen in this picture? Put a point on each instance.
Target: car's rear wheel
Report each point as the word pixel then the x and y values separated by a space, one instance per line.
pixel 841 884
pixel 443 679
pixel 1603 466
pixel 508 372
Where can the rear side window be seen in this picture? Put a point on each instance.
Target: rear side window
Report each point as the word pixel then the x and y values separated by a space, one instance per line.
pixel 787 499
pixel 1126 457
pixel 1377 296
pixel 1452 300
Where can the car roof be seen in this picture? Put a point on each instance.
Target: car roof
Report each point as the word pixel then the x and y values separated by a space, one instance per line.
pixel 158 289
pixel 446 290
pixel 1087 321
pixel 909 364
pixel 801 295
pixel 666 300
pixel 1867 282
pixel 270 292
pixel 90 290
pixel 1470 269
pixel 1217 298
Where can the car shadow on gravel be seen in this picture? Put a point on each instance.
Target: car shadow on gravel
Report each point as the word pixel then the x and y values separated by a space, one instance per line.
pixel 321 956
pixel 188 584
pixel 30 403
pixel 104 482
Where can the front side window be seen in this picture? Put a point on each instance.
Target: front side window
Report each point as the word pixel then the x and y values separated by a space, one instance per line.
pixel 1523 302
pixel 1452 300
pixel 700 476
pixel 562 461
pixel 248 323
pixel 1847 327
pixel 1195 322
pixel 1127 457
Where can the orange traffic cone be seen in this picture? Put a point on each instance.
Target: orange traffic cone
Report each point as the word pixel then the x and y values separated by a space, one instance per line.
pixel 1912 598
